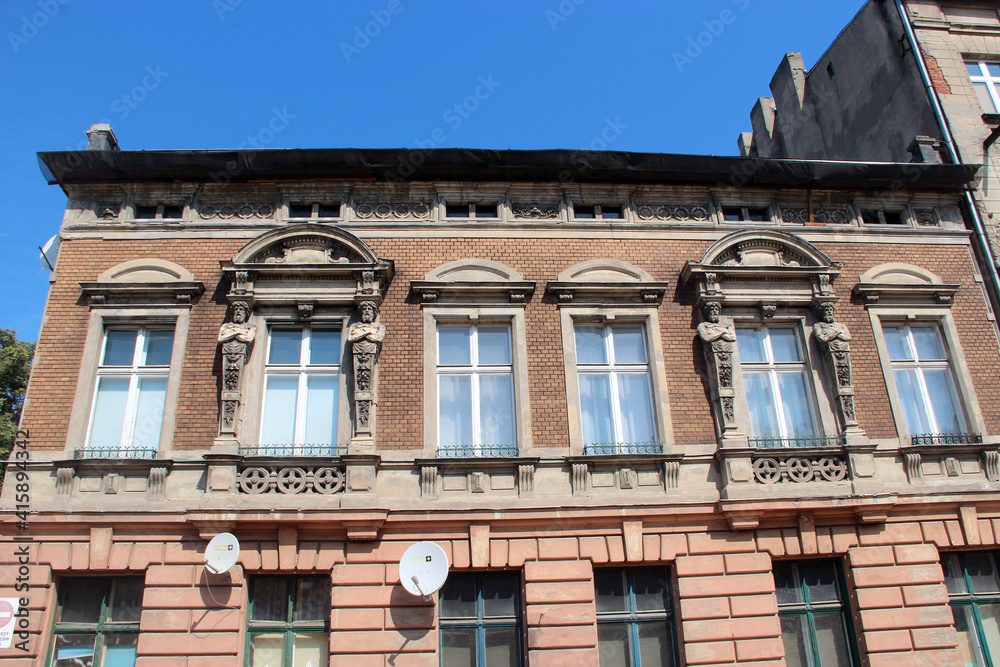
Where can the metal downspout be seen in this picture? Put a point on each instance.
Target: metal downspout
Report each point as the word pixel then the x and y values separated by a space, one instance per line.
pixel 993 279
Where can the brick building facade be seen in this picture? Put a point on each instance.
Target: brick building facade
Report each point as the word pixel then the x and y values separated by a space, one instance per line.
pixel 656 409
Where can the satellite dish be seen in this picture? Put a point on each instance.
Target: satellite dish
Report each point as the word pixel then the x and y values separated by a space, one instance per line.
pixel 50 251
pixel 221 553
pixel 423 569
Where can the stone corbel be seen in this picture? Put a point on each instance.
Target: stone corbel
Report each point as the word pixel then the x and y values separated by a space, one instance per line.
pixel 64 480
pixel 525 480
pixel 365 337
pixel 718 340
pixel 428 481
pixel 578 478
pixel 834 339
pixel 236 339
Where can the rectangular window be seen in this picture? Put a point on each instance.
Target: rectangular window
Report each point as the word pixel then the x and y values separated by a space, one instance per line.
pixel 985 77
pixel 974 591
pixel 301 390
pixel 635 618
pixel 131 390
pixel 97 622
pixel 779 394
pixel 615 393
pixel 745 214
pixel 814 616
pixel 475 376
pixel 882 217
pixel 473 210
pixel 314 210
pixel 924 379
pixel 480 624
pixel 289 622
pixel 597 212
pixel 158 211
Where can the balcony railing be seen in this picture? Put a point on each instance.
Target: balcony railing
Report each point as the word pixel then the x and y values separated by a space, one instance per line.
pixel 115 453
pixel 475 451
pixel 947 439
pixel 800 441
pixel 291 451
pixel 619 448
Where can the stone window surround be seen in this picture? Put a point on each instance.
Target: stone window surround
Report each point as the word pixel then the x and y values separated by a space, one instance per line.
pixel 768 204
pixel 484 193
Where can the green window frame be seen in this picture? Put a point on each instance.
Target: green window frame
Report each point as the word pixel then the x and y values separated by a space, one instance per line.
pixel 815 621
pixel 974 592
pixel 480 620
pixel 635 617
pixel 288 623
pixel 97 622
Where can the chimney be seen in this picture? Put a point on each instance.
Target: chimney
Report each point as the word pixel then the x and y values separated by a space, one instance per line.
pixel 100 137
pixel 925 149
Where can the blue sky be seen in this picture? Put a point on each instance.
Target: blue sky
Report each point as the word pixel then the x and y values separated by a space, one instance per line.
pixel 669 76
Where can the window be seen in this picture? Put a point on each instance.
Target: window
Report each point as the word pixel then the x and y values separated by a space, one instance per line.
pixel 475 386
pixel 923 378
pixel 814 615
pixel 598 212
pixel 473 210
pixel 615 393
pixel 131 390
pixel 301 388
pixel 745 214
pixel 635 625
pixel 974 591
pixel 288 623
pixel 159 211
pixel 480 622
pixel 97 623
pixel 313 210
pixel 778 391
pixel 871 216
pixel 985 76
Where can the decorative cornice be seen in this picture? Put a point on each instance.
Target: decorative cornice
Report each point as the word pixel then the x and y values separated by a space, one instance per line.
pixel 929 294
pixel 181 293
pixel 591 293
pixel 512 291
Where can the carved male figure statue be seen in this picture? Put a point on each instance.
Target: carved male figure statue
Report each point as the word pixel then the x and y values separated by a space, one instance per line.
pixel 237 336
pixel 367 334
pixel 833 334
pixel 720 336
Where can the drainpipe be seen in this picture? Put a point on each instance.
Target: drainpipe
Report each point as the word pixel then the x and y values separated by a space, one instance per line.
pixel 979 231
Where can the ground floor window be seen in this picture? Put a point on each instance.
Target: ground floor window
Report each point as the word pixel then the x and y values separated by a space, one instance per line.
pixel 974 590
pixel 481 620
pixel 97 622
pixel 289 622
pixel 815 624
pixel 635 618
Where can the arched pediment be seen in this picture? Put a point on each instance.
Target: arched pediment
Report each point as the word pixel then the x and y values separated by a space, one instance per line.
pixel 306 244
pixel 473 270
pixel 764 247
pixel 605 271
pixel 898 282
pixel 899 273
pixel 473 281
pixel 144 281
pixel 607 282
pixel 146 270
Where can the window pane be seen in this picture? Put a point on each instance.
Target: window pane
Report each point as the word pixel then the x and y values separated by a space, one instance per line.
pixel 109 412
pixel 795 404
pixel 750 343
pixel 953 578
pixel 267 650
pixel 321 409
pixel 895 340
pixel 831 641
pixel 760 397
pixel 119 650
pixel 74 651
pixel 821 580
pixel 612 644
pixel 786 585
pixel 784 345
pixel 502 647
pixel 595 404
pixel 278 421
pixel 973 68
pixel 913 403
pixel 982 573
pixel 126 601
pixel 456 210
pixel 120 348
pixel 650 589
pixel 310 649
pixel 940 389
pixel 455 418
pixel 965 624
pixel 584 212
pixel 989 614
pixel 630 345
pixel 993 69
pixel 81 600
pixel 300 210
pixel 655 648
pixel 270 599
pixel 159 344
pixel 286 346
pixel 149 412
pixel 454 346
pixel 635 400
pixel 494 345
pixel 590 345
pixel 983 93
pixel 324 346
pixel 609 590
pixel 458 596
pixel 794 630
pixel 329 210
pixel 500 594
pixel 486 210
pixel 611 212
pixel 312 599
pixel 458 647
pixel 928 343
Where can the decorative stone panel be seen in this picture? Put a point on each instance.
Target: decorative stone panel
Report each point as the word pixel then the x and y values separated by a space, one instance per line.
pixel 800 469
pixel 291 479
pixel 683 213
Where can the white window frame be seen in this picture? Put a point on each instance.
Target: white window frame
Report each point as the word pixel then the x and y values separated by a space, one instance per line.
pixel 991 82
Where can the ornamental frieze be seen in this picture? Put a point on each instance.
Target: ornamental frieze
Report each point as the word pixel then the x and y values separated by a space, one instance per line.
pixel 228 211
pixel 383 211
pixel 535 211
pixel 837 216
pixel 696 213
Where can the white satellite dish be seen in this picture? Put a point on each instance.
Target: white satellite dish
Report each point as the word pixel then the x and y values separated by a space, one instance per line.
pixel 49 253
pixel 423 569
pixel 221 553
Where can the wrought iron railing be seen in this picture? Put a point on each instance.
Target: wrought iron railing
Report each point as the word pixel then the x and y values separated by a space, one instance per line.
pixel 613 448
pixel 115 453
pixel 800 441
pixel 475 451
pixel 947 439
pixel 289 451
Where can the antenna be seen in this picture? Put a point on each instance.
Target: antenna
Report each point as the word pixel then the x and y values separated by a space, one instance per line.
pixel 423 569
pixel 222 553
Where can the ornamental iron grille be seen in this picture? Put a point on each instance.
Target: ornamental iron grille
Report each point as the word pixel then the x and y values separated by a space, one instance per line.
pixel 947 439
pixel 115 453
pixel 613 448
pixel 475 451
